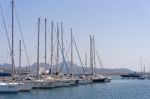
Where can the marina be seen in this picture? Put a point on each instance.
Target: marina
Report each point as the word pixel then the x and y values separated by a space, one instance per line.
pixel 55 62
pixel 14 82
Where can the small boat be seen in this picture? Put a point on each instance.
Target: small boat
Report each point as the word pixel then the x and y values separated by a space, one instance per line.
pixel 133 75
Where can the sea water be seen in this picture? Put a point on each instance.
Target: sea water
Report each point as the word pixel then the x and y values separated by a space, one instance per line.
pixel 116 89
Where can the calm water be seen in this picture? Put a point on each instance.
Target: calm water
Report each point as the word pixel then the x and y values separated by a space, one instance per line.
pixel 117 89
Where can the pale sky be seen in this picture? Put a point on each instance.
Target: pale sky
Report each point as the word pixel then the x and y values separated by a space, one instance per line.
pixel 121 28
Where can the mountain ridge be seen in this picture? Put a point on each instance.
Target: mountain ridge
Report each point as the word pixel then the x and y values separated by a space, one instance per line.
pixel 76 68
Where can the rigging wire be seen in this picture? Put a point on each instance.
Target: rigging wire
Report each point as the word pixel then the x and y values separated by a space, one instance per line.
pixel 79 55
pixel 22 38
pixel 63 57
pixel 99 59
pixel 66 56
pixel 6 31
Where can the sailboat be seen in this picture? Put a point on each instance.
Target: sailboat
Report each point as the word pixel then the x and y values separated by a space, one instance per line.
pixel 41 82
pixel 23 86
pixel 83 79
pixel 60 80
pixel 10 86
pixel 96 78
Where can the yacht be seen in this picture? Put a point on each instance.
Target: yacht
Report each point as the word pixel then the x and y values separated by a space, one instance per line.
pixel 133 76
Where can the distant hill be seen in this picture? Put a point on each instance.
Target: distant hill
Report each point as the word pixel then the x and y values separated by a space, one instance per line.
pixel 66 67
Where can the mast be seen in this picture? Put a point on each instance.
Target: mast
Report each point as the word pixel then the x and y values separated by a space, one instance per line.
pixel 57 61
pixel 141 65
pixel 38 42
pixel 71 52
pixel 93 47
pixel 50 71
pixel 19 54
pixel 144 70
pixel 62 41
pixel 19 58
pixel 12 50
pixel 86 60
pixel 62 36
pixel 45 44
pixel 91 54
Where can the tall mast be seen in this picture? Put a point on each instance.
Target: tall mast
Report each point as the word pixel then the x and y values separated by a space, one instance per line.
pixel 19 59
pixel 93 47
pixel 62 41
pixel 86 59
pixel 12 56
pixel 50 71
pixel 62 37
pixel 38 42
pixel 45 44
pixel 144 69
pixel 71 51
pixel 19 56
pixel 57 61
pixel 91 54
pixel 141 64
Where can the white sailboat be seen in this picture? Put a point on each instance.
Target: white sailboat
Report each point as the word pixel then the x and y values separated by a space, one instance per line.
pixel 7 86
pixel 23 86
pixel 84 79
pixel 94 76
pixel 60 80
pixel 42 83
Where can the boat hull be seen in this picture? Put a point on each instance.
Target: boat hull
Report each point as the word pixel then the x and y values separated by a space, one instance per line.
pixel 99 80
pixel 43 85
pixel 9 88
pixel 25 87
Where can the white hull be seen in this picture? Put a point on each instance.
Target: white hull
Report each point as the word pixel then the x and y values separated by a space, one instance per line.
pixel 9 87
pixel 25 86
pixel 41 84
pixel 61 84
pixel 74 82
pixel 97 78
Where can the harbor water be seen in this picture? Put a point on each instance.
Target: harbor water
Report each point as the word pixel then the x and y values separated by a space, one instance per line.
pixel 116 89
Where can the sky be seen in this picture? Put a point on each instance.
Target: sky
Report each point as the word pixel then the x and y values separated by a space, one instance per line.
pixel 121 29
